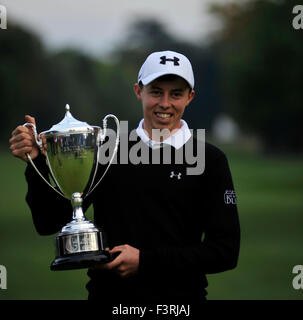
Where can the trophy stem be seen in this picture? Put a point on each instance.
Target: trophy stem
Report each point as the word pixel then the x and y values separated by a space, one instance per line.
pixel 78 214
pixel 80 242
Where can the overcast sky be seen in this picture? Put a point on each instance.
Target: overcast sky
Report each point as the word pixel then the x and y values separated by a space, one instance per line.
pixel 97 25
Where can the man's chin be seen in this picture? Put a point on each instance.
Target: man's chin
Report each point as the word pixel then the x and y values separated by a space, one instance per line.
pixel 163 131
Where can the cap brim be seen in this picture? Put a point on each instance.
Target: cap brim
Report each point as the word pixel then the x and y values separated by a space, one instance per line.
pixel 157 75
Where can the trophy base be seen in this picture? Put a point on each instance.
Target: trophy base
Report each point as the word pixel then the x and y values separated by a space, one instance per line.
pixel 80 260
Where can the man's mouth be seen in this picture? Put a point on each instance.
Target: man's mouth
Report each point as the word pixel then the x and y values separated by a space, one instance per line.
pixel 163 115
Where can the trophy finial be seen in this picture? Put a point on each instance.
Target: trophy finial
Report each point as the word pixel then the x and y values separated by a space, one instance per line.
pixel 67 109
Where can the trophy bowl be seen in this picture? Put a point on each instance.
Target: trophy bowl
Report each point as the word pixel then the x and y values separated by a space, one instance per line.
pixel 72 156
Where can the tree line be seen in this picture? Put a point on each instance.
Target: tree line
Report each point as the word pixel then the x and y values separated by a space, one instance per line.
pixel 251 70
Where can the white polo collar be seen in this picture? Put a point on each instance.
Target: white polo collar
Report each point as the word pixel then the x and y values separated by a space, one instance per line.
pixel 176 140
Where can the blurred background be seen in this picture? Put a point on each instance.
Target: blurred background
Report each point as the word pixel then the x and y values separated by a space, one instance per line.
pixel 247 59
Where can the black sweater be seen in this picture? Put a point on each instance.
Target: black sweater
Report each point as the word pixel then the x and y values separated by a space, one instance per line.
pixel 163 214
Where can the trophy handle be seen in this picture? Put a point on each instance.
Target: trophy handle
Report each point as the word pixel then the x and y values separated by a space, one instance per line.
pixel 40 145
pixel 100 140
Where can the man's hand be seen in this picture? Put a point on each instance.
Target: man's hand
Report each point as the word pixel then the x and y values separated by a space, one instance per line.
pixel 125 264
pixel 23 141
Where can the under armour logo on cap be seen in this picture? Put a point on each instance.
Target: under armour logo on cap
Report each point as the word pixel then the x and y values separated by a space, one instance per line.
pixel 158 64
pixel 175 60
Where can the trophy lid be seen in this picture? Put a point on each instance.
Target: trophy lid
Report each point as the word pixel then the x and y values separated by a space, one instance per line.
pixel 69 125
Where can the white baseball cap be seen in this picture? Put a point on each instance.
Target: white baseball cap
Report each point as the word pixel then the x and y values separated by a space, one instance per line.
pixel 161 63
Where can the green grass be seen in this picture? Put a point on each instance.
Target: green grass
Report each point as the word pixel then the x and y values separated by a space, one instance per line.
pixel 270 201
pixel 26 255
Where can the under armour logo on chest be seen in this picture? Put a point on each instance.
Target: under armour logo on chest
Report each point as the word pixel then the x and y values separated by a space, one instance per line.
pixel 177 175
pixel 175 60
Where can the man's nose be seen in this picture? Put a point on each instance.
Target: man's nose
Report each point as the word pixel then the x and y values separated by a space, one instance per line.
pixel 165 101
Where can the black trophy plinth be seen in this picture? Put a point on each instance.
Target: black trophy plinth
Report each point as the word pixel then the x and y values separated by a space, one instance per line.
pixel 80 260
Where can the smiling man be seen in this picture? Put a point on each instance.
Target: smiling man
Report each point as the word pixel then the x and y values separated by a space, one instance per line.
pixel 155 214
pixel 164 101
pixel 166 210
pixel 165 88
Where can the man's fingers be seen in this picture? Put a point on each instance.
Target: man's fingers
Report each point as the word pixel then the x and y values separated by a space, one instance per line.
pixel 21 136
pixel 21 129
pixel 30 119
pixel 20 149
pixel 22 154
pixel 118 248
pixel 23 142
pixel 107 266
pixel 21 145
pixel 20 140
pixel 114 264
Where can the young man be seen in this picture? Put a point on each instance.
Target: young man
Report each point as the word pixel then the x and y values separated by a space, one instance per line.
pixel 154 212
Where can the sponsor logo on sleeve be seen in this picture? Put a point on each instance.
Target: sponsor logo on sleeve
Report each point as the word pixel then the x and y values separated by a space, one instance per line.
pixel 230 197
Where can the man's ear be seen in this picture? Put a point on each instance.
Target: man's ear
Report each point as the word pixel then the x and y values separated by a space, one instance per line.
pixel 190 97
pixel 137 91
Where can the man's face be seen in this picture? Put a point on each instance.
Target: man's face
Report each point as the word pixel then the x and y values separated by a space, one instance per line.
pixel 164 103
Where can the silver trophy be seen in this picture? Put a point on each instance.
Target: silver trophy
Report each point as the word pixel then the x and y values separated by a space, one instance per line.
pixel 72 155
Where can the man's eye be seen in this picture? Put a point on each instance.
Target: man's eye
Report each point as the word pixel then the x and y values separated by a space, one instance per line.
pixel 155 92
pixel 177 94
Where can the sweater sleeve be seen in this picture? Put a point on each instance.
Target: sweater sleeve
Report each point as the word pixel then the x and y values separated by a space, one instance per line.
pixel 219 249
pixel 50 211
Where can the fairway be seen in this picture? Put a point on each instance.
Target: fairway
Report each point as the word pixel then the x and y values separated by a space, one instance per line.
pixel 270 202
